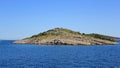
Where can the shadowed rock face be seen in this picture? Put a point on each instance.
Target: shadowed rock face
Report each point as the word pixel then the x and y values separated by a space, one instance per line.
pixel 61 36
pixel 56 42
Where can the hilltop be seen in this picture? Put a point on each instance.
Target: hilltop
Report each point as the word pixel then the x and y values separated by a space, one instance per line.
pixel 62 36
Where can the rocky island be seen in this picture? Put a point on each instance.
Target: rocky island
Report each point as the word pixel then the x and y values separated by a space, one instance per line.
pixel 62 36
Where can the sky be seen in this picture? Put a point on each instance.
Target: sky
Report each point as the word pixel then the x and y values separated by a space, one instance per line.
pixel 23 18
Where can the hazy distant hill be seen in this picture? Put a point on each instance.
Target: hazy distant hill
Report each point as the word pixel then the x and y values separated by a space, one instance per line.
pixel 62 36
pixel 104 37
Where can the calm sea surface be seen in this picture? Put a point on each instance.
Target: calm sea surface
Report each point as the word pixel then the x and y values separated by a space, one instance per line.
pixel 34 56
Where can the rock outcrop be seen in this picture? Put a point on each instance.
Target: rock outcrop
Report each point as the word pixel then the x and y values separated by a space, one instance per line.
pixel 61 36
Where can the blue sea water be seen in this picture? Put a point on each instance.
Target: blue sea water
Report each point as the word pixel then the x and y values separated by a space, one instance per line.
pixel 35 56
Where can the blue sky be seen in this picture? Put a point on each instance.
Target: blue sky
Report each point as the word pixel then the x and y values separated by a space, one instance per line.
pixel 23 18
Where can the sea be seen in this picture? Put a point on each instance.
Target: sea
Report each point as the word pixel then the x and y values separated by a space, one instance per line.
pixel 58 56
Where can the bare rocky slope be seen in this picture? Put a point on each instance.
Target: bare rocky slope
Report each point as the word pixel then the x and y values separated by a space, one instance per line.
pixel 61 36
